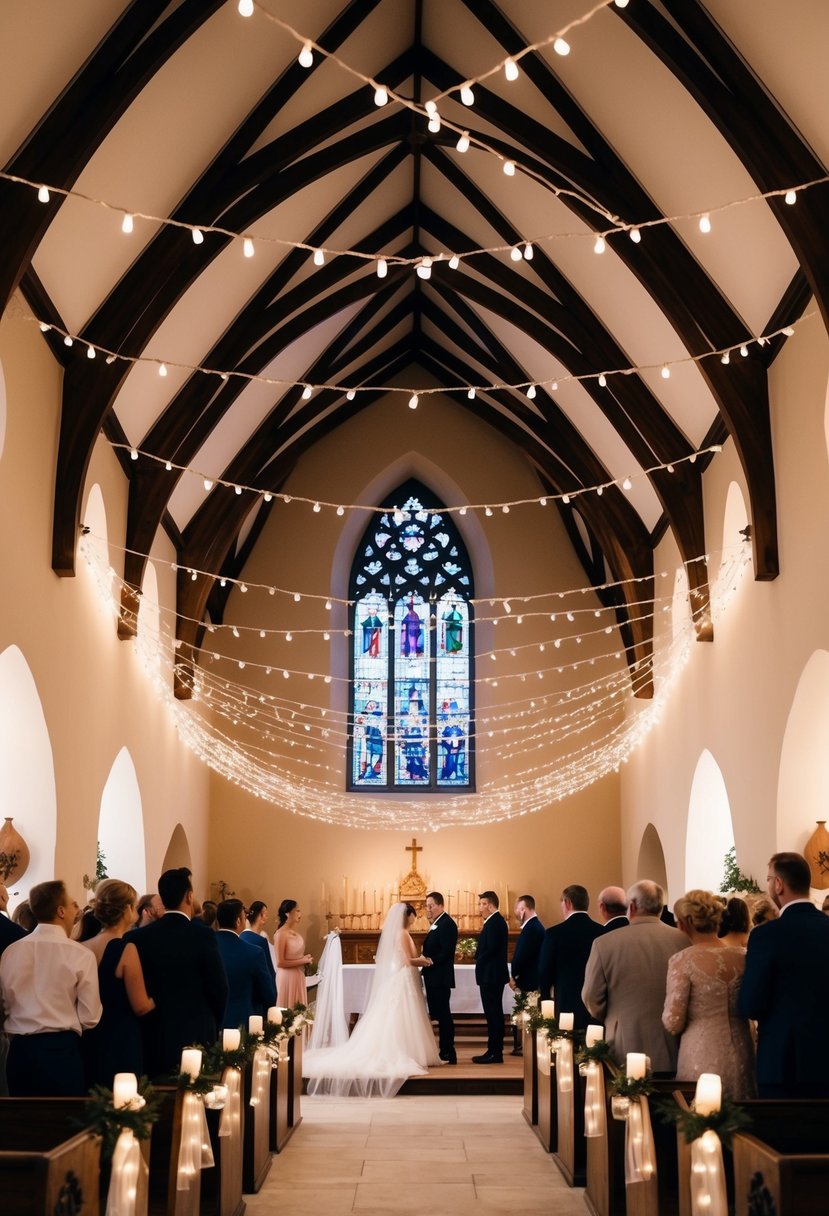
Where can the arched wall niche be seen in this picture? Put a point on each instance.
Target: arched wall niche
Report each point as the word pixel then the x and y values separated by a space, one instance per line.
pixel 2 411
pixel 734 548
pixel 803 777
pixel 27 773
pixel 178 853
pixel 149 618
pixel 709 830
pixel 651 860
pixel 121 824
pixel 94 518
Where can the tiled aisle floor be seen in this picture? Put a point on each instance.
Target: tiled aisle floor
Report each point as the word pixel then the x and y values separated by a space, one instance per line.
pixel 445 1156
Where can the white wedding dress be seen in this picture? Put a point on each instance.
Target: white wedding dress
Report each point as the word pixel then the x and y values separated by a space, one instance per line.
pixel 393 1038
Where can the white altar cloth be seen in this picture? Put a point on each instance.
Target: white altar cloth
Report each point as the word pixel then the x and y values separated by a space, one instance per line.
pixel 466 997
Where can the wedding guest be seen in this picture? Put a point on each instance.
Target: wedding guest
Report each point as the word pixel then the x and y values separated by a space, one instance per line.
pixel 735 923
pixel 491 974
pixel 86 926
pixel 207 914
pixel 524 965
pixel 624 982
pixel 148 909
pixel 290 956
pixel 613 908
pixel 251 988
pixel 9 931
pixel 703 985
pixel 23 917
pixel 786 986
pixel 439 977
pixel 254 934
pixel 824 907
pixel 565 952
pixel 49 989
pixel 115 1044
pixel 763 909
pixel 184 976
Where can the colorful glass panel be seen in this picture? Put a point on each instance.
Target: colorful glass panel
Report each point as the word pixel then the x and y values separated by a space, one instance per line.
pixel 452 690
pixel 369 748
pixel 411 684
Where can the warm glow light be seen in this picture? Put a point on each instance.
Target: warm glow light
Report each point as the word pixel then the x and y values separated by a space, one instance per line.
pixel 705 223
pixel 511 69
pixel 245 8
pixel 306 56
pixel 382 268
pixel 247 247
pixel 599 246
pixel 319 257
pixel 509 168
pixel 561 46
pixel 463 142
pixel 467 96
pixel 127 224
pixel 381 95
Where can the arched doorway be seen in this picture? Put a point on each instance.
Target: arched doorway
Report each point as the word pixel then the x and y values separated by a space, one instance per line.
pixel 121 824
pixel 803 779
pixel 710 831
pixel 651 862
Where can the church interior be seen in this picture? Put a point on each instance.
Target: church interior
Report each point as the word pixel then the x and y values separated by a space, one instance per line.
pixel 543 287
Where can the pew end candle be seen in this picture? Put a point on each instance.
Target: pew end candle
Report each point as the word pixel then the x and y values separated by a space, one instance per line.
pixel 255 1023
pixel 565 1021
pixel 548 1009
pixel 708 1096
pixel 191 1062
pixel 231 1039
pixel 124 1088
pixel 593 1035
pixel 636 1065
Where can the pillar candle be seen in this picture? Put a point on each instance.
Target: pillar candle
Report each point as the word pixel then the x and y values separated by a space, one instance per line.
pixel 191 1061
pixel 275 1015
pixel 548 1009
pixel 593 1035
pixel 255 1023
pixel 124 1088
pixel 231 1039
pixel 565 1021
pixel 708 1097
pixel 636 1066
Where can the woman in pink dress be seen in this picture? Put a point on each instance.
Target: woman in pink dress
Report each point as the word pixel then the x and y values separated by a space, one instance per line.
pixel 290 957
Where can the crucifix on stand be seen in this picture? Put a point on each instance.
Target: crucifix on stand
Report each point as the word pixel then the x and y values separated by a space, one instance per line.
pixel 414 848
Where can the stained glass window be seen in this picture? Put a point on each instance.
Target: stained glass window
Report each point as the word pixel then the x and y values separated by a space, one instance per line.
pixel 412 654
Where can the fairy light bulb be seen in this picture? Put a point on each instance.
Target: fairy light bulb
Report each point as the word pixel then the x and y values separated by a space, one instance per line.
pixel 635 235
pixel 470 394
pixel 509 168
pixel 434 124
pixel 467 96
pixel 306 392
pixel 341 509
pixel 267 496
pixel 90 352
pixel 561 46
pixel 744 351
pixel 127 224
pixel 198 236
pixel 319 257
pixel 316 508
pixel 627 484
pixel 162 370
pixel 602 381
pixel 531 392
pixel 725 357
pixel 247 247
pixel 382 268
pixel 207 483
pixel 511 69
pixel 665 372
pixel 528 252
pixel 245 8
pixel 381 95
pixel 515 254
pixel 43 194
pixel 463 142
pixel 350 395
pixel 306 56
pixel 237 490
pixel 600 245
pixel 133 454
pixel 705 223
pixel 790 197
pixel 168 465
pixel 424 268
pixel 413 401
pixel 454 262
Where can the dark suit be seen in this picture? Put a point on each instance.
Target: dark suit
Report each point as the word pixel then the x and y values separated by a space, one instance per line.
pixel 439 945
pixel 616 922
pixel 184 975
pixel 261 943
pixel 563 959
pixel 251 988
pixel 786 990
pixel 524 965
pixel 9 932
pixel 491 974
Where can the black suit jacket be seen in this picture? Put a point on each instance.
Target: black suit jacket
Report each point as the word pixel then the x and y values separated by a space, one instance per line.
pixel 439 945
pixel 491 955
pixel 184 975
pixel 261 943
pixel 616 922
pixel 251 988
pixel 525 958
pixel 786 990
pixel 9 932
pixel 563 960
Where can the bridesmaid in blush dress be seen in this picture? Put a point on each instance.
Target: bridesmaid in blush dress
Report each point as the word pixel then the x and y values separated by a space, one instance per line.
pixel 701 1001
pixel 290 957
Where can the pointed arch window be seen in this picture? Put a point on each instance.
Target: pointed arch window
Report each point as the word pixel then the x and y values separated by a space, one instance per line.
pixel 412 657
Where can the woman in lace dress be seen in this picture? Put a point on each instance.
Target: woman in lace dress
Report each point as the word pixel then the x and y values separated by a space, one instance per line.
pixel 290 957
pixel 393 1037
pixel 701 1001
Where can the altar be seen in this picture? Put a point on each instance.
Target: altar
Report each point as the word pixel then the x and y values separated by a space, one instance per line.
pixel 466 997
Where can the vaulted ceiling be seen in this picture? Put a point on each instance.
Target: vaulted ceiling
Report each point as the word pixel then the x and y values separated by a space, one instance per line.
pixel 186 114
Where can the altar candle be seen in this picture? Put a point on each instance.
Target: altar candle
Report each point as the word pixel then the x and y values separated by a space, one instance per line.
pixel 275 1015
pixel 364 899
pixel 636 1065
pixel 255 1023
pixel 231 1039
pixel 191 1061
pixel 548 1009
pixel 708 1097
pixel 565 1021
pixel 124 1088
pixel 374 901
pixel 593 1035
pixel 345 893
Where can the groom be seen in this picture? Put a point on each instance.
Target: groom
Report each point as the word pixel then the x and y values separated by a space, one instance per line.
pixel 439 978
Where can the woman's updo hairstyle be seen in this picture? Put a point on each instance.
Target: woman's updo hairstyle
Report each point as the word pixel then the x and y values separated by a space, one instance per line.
pixel 112 897
pixel 409 911
pixel 736 917
pixel 285 907
pixel 699 909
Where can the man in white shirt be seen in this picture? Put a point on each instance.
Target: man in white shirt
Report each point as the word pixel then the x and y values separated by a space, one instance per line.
pixel 49 988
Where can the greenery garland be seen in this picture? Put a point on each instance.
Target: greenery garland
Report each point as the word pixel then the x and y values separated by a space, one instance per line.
pixel 524 1001
pixel 108 1121
pixel 216 1059
pixel 729 1119
pixel 598 1052
pixel 631 1087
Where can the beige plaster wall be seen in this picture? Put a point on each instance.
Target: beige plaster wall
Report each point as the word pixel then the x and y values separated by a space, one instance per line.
pixel 266 852
pixel 95 695
pixel 735 695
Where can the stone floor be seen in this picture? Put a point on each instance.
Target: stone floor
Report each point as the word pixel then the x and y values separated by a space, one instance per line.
pixel 442 1156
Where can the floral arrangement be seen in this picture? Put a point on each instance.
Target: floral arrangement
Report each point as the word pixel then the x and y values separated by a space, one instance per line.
pixel 467 947
pixel 725 1121
pixel 524 1001
pixel 108 1121
pixel 8 863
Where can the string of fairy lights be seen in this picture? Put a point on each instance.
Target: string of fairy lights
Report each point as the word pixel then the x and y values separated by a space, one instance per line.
pixel 562 740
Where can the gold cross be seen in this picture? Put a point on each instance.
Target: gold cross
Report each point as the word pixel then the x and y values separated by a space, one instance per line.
pixel 414 848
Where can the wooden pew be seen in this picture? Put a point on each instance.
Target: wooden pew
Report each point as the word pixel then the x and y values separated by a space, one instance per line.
pixel 164 1198
pixel 786 1144
pixel 546 1127
pixel 256 1139
pixel 221 1187
pixel 571 1145
pixel 46 1164
pixel 530 1053
pixel 281 1096
pixel 295 1072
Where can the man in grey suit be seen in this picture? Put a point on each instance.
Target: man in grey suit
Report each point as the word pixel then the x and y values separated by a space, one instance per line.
pixel 624 983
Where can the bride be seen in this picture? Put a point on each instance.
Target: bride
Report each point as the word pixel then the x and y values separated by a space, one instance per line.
pixel 393 1038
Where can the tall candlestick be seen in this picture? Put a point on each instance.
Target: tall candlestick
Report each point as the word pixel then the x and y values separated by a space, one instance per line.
pixel 708 1097
pixel 636 1066
pixel 191 1061
pixel 124 1088
pixel 231 1039
pixel 565 1021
